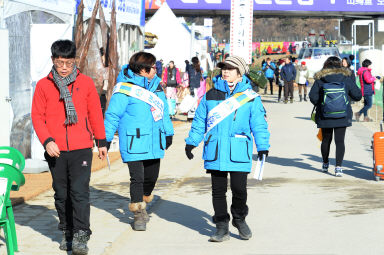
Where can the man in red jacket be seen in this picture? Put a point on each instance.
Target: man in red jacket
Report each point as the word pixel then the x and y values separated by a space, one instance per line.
pixel 66 115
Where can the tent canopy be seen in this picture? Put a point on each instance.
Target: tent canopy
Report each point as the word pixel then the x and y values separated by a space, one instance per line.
pixel 174 40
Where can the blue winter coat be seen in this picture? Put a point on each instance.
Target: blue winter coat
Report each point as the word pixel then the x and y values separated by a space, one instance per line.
pixel 140 137
pixel 269 72
pixel 228 146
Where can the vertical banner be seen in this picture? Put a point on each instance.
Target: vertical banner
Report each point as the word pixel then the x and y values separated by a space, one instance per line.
pixel 207 28
pixel 241 29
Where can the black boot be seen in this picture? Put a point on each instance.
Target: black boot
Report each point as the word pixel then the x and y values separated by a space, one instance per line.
pixel 301 98
pixel 305 97
pixel 244 231
pixel 66 242
pixel 139 218
pixel 79 244
pixel 222 232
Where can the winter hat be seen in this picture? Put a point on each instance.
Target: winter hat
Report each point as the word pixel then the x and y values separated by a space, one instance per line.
pixel 303 63
pixel 235 62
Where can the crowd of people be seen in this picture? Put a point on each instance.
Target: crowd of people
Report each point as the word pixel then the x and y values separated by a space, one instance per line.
pixel 228 119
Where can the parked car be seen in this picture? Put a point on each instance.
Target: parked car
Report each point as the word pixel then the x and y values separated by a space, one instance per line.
pixel 316 56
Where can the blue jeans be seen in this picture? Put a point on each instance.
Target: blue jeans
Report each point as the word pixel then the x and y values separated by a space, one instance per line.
pixel 367 105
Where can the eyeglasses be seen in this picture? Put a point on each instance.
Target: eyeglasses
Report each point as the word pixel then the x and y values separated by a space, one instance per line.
pixel 60 63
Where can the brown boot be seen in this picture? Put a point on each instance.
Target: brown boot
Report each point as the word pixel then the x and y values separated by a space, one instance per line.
pixel 139 223
pixel 357 116
pixel 147 200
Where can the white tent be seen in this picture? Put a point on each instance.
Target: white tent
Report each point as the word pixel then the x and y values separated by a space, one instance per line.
pixel 174 39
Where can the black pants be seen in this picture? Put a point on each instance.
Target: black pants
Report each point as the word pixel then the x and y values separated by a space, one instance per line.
pixel 280 89
pixel 270 86
pixel 71 174
pixel 288 90
pixel 239 208
pixel 144 174
pixel 339 141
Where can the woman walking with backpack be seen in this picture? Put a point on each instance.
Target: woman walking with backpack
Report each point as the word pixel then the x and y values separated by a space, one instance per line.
pixel 333 118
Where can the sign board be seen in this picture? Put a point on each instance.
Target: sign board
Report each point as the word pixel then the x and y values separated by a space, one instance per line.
pixel 276 5
pixel 207 28
pixel 380 25
pixel 127 11
pixel 241 29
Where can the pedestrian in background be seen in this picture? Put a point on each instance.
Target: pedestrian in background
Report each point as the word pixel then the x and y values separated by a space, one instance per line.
pixel 367 84
pixel 347 64
pixel 228 142
pixel 269 71
pixel 171 79
pixel 288 74
pixel 279 82
pixel 138 109
pixel 65 108
pixel 333 76
pixel 302 76
pixel 195 76
pixel 159 68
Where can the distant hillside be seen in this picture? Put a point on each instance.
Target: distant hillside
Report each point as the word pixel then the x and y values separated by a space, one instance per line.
pixel 274 29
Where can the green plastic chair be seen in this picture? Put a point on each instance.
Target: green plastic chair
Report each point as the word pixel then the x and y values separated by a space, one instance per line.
pixel 13 157
pixel 10 179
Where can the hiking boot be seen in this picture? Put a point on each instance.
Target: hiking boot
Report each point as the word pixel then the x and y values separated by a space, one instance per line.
pixel 338 171
pixel 79 243
pixel 357 116
pixel 285 101
pixel 139 221
pixel 244 231
pixel 325 167
pixel 66 242
pixel 291 100
pixel 222 232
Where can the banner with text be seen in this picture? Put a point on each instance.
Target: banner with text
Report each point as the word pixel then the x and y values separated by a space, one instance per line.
pixel 241 29
pixel 276 5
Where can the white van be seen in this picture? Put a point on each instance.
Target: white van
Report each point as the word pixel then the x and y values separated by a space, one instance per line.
pixel 315 57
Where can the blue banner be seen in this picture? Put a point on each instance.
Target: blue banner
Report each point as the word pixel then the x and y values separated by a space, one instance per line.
pixel 276 5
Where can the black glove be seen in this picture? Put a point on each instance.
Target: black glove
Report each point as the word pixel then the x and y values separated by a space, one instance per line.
pixel 168 141
pixel 188 151
pixel 378 77
pixel 261 153
pixel 192 92
pixel 108 145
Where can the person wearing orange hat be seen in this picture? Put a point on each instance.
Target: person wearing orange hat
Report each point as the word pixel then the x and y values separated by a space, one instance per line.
pixel 302 76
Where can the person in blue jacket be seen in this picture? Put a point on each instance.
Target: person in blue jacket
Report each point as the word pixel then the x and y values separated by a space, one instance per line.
pixel 269 72
pixel 288 74
pixel 138 109
pixel 228 142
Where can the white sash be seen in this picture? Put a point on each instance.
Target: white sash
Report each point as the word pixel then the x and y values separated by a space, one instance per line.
pixel 144 95
pixel 228 106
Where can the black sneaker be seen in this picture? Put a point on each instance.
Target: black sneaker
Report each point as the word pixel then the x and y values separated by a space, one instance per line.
pixel 325 167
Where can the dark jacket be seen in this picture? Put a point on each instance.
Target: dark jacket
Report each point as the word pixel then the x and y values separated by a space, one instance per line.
pixel 194 77
pixel 288 72
pixel 317 94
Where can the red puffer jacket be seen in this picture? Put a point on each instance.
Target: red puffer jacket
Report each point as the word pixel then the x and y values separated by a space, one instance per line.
pixel 48 115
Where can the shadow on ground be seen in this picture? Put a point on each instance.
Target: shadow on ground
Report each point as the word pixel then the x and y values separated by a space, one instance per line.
pixel 351 168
